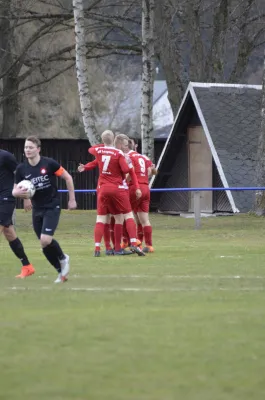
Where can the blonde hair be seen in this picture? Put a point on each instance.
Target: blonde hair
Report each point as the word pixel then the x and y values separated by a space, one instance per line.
pixel 120 138
pixel 107 137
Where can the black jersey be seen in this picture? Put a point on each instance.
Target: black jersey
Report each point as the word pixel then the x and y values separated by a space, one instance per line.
pixel 43 176
pixel 8 165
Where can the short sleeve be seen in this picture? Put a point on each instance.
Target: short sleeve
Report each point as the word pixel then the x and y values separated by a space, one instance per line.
pixel 19 174
pixel 92 150
pixel 10 162
pixel 55 167
pixel 148 162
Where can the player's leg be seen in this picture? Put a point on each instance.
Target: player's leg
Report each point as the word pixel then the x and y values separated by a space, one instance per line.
pixel 106 234
pixel 18 249
pixel 7 228
pixel 140 232
pixel 99 230
pixel 125 237
pixel 44 224
pixel 112 224
pixel 37 221
pixel 115 203
pixel 124 204
pixel 109 250
pixel 132 232
pixel 118 232
pixel 102 215
pixel 134 206
pixel 143 215
pixel 51 246
pixel 147 228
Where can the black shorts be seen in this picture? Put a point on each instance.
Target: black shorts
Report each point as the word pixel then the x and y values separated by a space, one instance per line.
pixel 6 213
pixel 45 221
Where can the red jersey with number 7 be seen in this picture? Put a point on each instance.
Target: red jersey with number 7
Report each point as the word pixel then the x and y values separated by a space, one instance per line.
pixel 141 164
pixel 112 165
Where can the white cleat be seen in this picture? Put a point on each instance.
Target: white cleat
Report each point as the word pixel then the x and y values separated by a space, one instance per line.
pixel 65 268
pixel 59 279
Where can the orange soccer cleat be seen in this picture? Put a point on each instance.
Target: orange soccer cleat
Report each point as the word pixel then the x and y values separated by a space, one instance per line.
pixel 148 249
pixel 124 245
pixel 27 270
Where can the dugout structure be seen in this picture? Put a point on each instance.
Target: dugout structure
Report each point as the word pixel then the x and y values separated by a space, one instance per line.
pixel 213 143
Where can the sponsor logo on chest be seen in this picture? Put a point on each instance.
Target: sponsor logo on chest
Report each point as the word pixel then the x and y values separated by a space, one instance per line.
pixel 42 181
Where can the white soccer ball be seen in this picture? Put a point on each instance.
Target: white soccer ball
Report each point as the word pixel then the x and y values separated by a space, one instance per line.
pixel 29 186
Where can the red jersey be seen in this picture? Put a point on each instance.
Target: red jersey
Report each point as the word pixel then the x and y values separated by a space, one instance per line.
pixel 112 166
pixel 141 164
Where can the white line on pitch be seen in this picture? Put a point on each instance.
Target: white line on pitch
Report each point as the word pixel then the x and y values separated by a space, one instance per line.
pixel 116 276
pixel 136 289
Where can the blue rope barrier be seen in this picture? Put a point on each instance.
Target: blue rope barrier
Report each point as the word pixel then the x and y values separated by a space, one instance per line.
pixel 179 189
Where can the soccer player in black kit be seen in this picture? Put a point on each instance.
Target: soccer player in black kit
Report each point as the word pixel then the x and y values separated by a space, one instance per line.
pixel 42 172
pixel 8 165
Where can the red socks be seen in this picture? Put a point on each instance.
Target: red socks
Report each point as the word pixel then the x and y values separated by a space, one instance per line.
pixel 118 228
pixel 131 229
pixel 107 236
pixel 98 234
pixel 148 235
pixel 140 233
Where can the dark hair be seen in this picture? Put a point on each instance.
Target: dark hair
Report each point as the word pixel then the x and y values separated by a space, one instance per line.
pixel 131 144
pixel 34 140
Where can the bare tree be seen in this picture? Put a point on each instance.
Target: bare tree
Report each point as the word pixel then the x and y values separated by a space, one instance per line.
pixel 82 74
pixel 38 46
pixel 148 58
pixel 260 170
pixel 206 41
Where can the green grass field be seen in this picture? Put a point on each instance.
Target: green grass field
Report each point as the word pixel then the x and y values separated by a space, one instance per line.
pixel 187 322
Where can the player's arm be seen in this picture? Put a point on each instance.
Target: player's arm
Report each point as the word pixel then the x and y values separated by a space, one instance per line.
pixel 129 169
pixel 89 166
pixel 92 150
pixel 152 170
pixel 19 192
pixel 62 173
pixel 10 162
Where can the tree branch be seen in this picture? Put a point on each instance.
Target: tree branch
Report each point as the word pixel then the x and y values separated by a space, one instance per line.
pixel 37 83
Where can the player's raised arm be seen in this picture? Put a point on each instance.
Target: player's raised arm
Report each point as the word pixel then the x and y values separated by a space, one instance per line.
pixel 88 167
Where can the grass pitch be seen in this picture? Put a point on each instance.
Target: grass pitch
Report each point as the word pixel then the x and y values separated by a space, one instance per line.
pixel 186 322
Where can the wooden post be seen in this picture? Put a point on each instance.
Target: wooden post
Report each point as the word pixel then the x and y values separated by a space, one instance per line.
pixel 197 209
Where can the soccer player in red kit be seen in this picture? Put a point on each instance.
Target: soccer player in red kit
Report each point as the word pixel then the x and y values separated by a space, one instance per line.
pixel 108 228
pixel 113 196
pixel 143 167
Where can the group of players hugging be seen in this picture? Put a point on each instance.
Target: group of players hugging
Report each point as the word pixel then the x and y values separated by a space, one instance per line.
pixel 123 199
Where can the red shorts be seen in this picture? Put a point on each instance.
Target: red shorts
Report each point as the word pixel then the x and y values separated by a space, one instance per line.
pixel 112 200
pixel 142 204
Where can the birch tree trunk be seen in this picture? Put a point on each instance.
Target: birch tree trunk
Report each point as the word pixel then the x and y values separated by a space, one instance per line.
pixel 82 74
pixel 260 171
pixel 148 57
